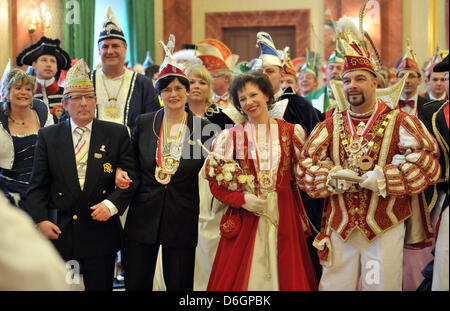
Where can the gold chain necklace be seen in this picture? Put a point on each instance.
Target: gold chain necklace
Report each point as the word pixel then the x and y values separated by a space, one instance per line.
pixel 112 111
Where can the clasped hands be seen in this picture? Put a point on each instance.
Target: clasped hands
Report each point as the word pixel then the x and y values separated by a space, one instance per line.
pixel 371 180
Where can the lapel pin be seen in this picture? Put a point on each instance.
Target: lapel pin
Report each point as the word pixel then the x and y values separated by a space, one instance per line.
pixel 102 148
pixel 98 155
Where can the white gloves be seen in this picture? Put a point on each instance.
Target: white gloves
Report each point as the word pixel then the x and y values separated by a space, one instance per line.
pixel 253 203
pixel 340 185
pixel 375 181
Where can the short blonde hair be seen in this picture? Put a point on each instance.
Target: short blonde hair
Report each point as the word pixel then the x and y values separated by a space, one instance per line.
pixel 200 71
pixel 15 76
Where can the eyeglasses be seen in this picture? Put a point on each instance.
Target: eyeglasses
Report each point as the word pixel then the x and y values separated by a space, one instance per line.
pixel 177 90
pixel 77 98
pixel 217 76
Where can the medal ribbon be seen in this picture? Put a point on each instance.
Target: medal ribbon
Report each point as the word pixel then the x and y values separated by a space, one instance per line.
pixel 368 126
pixel 163 137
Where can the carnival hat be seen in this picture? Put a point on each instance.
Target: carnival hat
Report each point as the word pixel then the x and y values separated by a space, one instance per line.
pixel 442 66
pixel 148 61
pixel 269 55
pixel 356 54
pixel 170 67
pixel 186 57
pixel 437 57
pixel 216 56
pixel 288 66
pixel 111 28
pixel 409 60
pixel 77 79
pixel 336 57
pixel 45 46
pixel 310 65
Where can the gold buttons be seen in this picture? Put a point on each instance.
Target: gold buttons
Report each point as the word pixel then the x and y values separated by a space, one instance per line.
pixel 104 192
pixel 75 217
pixel 60 193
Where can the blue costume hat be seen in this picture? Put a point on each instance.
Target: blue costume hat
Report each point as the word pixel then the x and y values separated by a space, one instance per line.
pixel 148 61
pixel 111 28
pixel 269 55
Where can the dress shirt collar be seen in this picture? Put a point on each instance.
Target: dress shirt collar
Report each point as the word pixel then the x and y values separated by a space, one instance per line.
pixel 73 126
pixel 45 83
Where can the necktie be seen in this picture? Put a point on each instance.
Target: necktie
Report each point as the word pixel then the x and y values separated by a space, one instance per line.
pixel 403 103
pixel 81 155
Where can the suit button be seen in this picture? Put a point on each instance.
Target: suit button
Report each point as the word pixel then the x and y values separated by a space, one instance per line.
pixel 60 193
pixel 104 192
pixel 75 217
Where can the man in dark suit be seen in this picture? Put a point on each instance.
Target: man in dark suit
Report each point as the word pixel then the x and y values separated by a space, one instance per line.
pixel 72 195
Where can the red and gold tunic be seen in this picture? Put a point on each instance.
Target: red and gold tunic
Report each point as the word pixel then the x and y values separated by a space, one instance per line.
pixel 401 148
pixel 286 254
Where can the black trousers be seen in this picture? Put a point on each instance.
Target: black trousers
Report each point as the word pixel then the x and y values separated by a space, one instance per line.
pixel 178 266
pixel 98 272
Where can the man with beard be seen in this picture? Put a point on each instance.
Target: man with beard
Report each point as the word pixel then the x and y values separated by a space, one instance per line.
pixel 365 160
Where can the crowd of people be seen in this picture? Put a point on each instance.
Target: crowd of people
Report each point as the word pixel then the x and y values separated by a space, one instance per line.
pixel 203 173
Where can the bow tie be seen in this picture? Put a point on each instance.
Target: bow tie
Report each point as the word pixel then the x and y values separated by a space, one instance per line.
pixel 403 103
pixel 223 99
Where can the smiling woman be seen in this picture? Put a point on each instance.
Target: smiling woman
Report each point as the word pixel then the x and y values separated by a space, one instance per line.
pixel 20 119
pixel 166 207
pixel 269 250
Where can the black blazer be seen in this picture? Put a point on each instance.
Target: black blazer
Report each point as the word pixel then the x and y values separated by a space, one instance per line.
pixel 421 101
pixel 167 214
pixel 54 193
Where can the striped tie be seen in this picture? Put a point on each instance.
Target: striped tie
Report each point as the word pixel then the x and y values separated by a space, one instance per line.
pixel 81 155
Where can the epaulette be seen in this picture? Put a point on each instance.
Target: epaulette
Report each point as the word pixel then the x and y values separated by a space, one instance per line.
pixel 431 101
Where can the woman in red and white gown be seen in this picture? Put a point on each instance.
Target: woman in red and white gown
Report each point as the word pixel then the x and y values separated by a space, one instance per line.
pixel 270 250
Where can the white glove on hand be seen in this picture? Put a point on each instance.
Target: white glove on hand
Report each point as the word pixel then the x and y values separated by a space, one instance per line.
pixel 340 185
pixel 398 158
pixel 373 179
pixel 253 203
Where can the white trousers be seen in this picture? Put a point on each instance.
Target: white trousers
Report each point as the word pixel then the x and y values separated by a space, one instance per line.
pixel 440 267
pixel 378 263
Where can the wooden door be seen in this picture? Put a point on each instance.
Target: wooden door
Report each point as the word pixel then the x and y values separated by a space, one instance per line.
pixel 242 40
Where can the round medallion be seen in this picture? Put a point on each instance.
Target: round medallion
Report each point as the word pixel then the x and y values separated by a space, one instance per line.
pixel 365 163
pixel 161 177
pixel 266 180
pixel 112 112
pixel 170 165
pixel 355 146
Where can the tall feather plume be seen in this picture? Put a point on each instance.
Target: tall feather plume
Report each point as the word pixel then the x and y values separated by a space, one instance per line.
pixel 346 27
pixel 361 17
pixel 171 43
pixel 374 48
pixel 168 49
